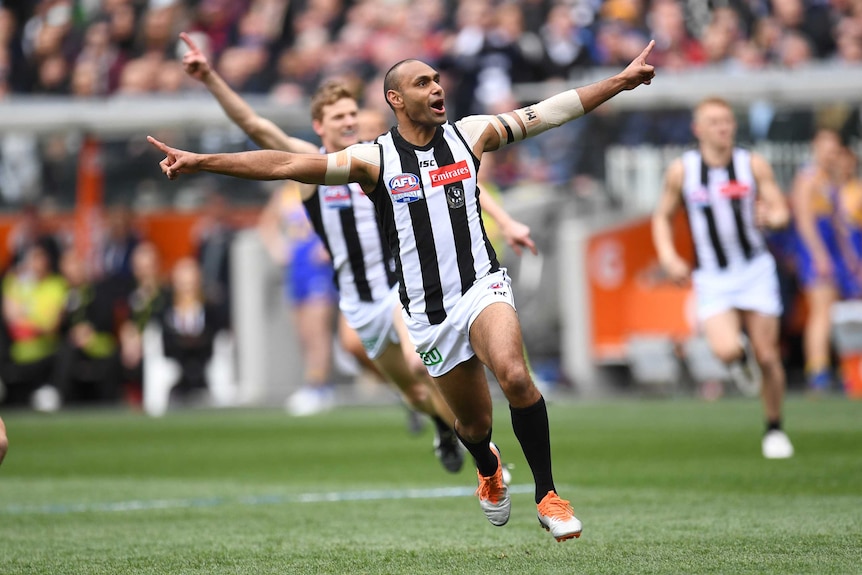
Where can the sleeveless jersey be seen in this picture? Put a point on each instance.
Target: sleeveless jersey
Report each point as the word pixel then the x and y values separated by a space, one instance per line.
pixel 720 207
pixel 427 199
pixel 346 222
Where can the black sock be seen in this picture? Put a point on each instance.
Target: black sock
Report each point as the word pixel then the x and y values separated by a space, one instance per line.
pixel 773 425
pixel 485 460
pixel 442 426
pixel 531 428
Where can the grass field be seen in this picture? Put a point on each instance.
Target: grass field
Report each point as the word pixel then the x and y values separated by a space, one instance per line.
pixel 662 486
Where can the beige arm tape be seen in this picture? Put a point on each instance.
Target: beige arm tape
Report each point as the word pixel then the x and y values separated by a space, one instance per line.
pixel 338 164
pixel 550 113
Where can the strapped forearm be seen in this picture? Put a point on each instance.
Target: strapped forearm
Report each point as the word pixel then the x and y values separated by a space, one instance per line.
pixel 541 117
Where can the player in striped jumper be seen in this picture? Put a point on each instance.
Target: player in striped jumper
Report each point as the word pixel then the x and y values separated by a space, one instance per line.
pixel 729 193
pixel 345 221
pixel 457 301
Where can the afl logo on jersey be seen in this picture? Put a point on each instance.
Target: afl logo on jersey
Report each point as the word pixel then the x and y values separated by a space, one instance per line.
pixel 404 188
pixel 699 196
pixel 336 197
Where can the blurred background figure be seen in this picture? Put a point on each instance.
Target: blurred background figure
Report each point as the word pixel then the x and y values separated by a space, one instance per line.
pixel 190 323
pixel 144 301
pixel 823 261
pixel 309 286
pixel 212 236
pixel 30 229
pixel 87 368
pixel 33 300
pixel 371 123
pixel 115 248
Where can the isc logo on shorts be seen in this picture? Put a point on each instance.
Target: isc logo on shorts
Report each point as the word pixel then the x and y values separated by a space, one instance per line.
pixel 431 357
pixel 499 288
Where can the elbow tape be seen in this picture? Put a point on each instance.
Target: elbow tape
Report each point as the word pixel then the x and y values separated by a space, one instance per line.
pixel 337 168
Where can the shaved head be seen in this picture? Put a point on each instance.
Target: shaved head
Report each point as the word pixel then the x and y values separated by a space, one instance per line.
pixel 392 80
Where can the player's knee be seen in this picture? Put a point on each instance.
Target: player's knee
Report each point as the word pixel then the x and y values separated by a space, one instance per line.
pixel 475 430
pixel 727 353
pixel 416 394
pixel 515 380
pixel 417 368
pixel 4 446
pixel 768 358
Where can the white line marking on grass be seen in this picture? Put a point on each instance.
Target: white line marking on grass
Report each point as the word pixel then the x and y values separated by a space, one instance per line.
pixel 322 497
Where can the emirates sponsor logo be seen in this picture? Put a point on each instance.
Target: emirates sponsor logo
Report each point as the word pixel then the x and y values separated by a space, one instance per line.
pixel 450 174
pixel 735 190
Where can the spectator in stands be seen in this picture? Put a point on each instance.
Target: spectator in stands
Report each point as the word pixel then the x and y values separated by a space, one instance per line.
pixel 821 263
pixel 114 252
pixel 212 237
pixel 33 298
pixel 189 327
pixel 87 367
pixel 31 229
pixel 144 302
pixel 675 47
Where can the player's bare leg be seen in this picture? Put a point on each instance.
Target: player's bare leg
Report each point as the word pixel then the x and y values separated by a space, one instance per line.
pixel 496 338
pixel 763 332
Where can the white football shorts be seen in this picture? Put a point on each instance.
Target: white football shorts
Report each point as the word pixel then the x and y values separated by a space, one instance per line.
pixel 751 286
pixel 374 322
pixel 444 346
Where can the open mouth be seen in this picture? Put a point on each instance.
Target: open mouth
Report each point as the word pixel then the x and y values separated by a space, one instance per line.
pixel 439 106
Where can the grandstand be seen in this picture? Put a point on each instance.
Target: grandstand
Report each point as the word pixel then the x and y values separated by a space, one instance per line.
pixel 104 74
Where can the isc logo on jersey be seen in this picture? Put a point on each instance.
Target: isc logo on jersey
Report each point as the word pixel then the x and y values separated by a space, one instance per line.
pixel 336 197
pixel 404 188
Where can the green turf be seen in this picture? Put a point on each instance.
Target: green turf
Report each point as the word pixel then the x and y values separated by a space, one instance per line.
pixel 662 486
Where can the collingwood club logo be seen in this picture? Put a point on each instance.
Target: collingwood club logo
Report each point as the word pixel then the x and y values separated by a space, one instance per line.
pixel 455 197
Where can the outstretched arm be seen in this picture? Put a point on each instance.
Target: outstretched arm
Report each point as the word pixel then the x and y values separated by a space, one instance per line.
pixel 264 132
pixel 662 225
pixel 493 132
pixel 358 163
pixel 517 235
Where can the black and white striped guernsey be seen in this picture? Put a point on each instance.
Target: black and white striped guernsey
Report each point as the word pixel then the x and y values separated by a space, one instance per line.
pixel 719 202
pixel 427 199
pixel 346 222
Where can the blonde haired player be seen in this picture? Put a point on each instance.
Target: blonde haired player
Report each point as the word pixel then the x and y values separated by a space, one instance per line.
pixel 729 194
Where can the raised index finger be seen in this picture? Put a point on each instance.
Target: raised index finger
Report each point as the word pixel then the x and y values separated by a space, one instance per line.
pixel 189 42
pixel 646 51
pixel 160 145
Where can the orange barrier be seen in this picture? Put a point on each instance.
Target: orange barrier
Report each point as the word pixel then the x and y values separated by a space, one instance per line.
pixel 170 231
pixel 627 293
pixel 851 375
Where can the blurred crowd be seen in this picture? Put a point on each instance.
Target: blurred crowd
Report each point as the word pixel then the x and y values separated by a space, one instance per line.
pixel 283 49
pixel 74 320
pixel 91 48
